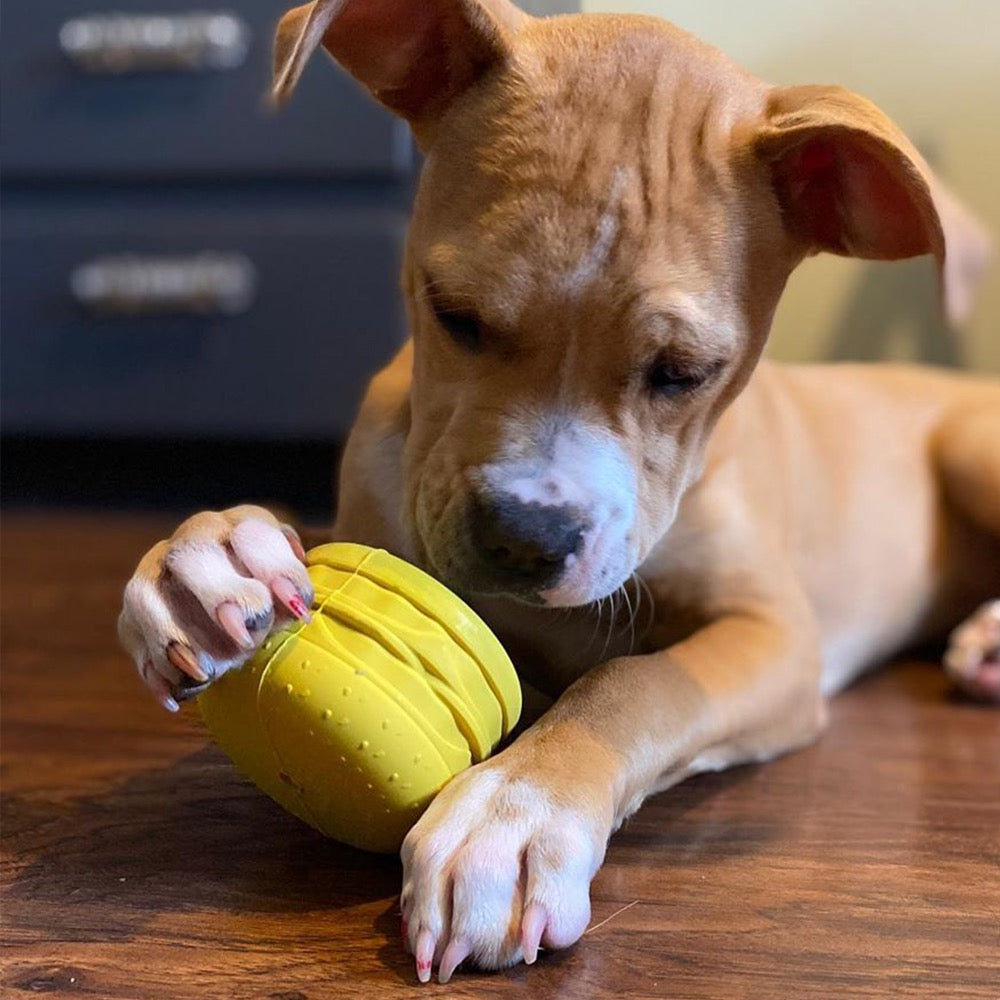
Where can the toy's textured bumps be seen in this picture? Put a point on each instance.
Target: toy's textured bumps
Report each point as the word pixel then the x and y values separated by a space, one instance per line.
pixel 354 721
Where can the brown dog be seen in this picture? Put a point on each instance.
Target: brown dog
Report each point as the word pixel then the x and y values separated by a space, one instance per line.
pixel 607 216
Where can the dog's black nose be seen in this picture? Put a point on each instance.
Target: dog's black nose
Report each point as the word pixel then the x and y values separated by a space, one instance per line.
pixel 524 542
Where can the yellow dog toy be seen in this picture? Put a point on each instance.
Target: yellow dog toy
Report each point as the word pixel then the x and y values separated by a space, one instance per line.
pixel 354 721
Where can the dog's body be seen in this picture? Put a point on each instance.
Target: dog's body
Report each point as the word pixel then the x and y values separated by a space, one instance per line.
pixel 831 471
pixel 608 214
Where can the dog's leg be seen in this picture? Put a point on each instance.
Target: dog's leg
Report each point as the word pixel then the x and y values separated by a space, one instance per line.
pixel 502 860
pixel 968 452
pixel 969 457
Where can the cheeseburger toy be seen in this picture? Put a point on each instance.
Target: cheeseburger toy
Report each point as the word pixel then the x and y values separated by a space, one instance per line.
pixel 354 721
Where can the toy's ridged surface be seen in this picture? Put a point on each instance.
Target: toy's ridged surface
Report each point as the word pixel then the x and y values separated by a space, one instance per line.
pixel 355 721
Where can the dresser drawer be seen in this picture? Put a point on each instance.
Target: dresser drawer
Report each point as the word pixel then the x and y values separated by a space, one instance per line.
pixel 176 87
pixel 191 317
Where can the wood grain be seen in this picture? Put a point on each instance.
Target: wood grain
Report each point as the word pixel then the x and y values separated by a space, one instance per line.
pixel 136 864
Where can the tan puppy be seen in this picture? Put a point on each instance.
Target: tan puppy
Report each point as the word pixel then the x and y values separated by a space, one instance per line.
pixel 608 214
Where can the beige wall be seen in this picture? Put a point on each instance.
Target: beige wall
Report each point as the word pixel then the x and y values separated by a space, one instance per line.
pixel 934 66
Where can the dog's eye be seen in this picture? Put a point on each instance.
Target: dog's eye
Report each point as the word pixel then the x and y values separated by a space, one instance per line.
pixel 668 379
pixel 461 324
pixel 463 327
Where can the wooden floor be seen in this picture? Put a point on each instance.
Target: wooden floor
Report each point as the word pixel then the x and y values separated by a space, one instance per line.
pixel 137 864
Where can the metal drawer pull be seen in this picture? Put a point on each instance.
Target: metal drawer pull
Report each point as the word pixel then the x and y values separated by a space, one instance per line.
pixel 112 44
pixel 133 285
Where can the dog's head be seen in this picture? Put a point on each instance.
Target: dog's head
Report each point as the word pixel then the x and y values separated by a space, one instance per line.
pixel 608 213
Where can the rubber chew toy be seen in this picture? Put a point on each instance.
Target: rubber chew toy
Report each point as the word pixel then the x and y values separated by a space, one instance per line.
pixel 354 721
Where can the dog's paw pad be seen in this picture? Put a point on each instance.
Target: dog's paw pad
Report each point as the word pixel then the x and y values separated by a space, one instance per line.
pixel 973 656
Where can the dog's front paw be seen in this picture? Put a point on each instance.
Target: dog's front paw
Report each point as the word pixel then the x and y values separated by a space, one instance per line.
pixel 202 601
pixel 499 864
pixel 973 657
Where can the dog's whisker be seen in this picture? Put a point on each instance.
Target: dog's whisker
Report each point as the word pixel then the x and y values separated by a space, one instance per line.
pixel 611 623
pixel 597 625
pixel 631 616
pixel 644 588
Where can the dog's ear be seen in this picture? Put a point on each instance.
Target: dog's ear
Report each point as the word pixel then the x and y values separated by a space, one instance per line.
pixel 849 182
pixel 414 56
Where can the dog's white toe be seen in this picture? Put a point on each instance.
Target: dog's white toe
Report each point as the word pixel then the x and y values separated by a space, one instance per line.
pixel 973 656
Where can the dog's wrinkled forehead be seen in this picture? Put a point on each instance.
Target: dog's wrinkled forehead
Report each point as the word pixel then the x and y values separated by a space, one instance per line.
pixel 584 155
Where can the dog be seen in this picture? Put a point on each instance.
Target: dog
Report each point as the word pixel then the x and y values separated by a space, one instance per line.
pixel 688 548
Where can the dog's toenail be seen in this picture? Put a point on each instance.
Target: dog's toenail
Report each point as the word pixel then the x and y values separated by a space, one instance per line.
pixel 260 621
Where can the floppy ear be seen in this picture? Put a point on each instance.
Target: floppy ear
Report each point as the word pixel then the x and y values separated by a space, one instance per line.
pixel 415 56
pixel 848 181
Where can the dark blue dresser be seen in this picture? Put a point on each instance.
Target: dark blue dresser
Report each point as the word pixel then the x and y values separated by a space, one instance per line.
pixel 181 266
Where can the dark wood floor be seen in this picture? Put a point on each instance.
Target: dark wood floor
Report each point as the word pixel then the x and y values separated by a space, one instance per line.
pixel 137 864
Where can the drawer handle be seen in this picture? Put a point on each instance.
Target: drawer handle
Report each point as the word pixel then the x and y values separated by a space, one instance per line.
pixel 134 285
pixel 113 44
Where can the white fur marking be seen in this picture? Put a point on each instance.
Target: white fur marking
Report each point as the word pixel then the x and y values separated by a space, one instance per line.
pixel 566 462
pixel 589 266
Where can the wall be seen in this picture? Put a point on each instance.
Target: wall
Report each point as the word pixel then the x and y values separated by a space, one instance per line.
pixel 934 66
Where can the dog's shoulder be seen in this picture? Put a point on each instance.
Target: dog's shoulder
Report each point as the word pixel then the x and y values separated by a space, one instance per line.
pixel 370 495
